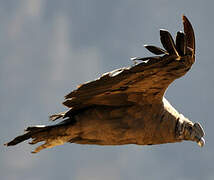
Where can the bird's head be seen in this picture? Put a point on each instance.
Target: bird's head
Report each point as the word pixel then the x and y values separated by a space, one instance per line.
pixel 186 130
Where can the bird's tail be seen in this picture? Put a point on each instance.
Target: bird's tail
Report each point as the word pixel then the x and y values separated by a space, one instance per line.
pixel 52 135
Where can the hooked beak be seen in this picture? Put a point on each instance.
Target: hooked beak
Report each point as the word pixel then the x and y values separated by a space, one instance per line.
pixel 201 142
pixel 197 134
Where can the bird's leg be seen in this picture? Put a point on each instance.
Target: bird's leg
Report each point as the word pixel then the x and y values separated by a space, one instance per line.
pixel 186 130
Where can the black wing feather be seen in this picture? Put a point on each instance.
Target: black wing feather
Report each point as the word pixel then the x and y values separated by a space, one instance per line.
pixel 181 44
pixel 155 50
pixel 167 42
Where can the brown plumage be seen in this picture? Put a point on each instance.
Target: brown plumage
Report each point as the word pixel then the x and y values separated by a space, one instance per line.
pixel 126 106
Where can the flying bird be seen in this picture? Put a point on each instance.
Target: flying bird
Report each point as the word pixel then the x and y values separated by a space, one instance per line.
pixel 127 105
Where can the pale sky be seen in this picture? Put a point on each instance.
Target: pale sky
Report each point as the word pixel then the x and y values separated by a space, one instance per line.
pixel 48 47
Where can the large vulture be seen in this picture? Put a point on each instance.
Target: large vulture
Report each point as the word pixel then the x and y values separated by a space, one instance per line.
pixel 126 106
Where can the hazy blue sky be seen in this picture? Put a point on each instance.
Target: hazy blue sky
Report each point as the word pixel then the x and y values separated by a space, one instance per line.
pixel 48 47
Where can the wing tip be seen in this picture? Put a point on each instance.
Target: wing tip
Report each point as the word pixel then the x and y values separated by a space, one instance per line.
pixel 184 18
pixel 189 31
pixel 163 31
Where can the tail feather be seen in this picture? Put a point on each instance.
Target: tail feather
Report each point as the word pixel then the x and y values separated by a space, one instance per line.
pixel 19 139
pixel 30 132
pixel 52 136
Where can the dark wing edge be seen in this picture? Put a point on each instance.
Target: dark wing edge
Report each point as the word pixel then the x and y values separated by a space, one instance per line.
pixel 181 44
pixel 190 36
pixel 146 80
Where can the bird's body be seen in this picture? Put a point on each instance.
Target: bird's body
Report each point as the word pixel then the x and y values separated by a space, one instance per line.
pixel 135 124
pixel 126 106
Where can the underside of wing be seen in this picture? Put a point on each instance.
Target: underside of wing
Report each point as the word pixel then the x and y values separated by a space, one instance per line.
pixel 145 82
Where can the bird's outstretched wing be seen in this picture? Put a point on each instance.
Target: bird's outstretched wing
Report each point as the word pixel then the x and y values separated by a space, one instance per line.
pixel 143 83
